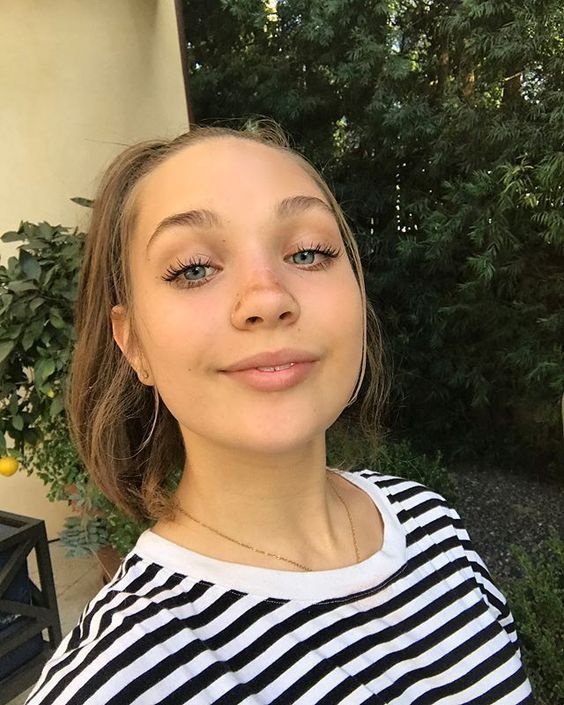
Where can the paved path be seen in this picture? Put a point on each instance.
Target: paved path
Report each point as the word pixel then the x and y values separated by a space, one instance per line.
pixel 500 509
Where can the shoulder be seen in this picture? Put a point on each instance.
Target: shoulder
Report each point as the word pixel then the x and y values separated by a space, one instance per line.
pixel 405 494
pixel 435 529
pixel 423 513
pixel 126 618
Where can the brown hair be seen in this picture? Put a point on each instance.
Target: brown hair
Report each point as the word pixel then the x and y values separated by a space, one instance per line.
pixel 130 443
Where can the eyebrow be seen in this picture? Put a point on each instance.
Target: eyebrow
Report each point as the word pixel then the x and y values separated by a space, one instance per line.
pixel 204 218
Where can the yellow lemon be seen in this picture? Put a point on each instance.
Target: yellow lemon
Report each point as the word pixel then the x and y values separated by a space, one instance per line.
pixel 8 466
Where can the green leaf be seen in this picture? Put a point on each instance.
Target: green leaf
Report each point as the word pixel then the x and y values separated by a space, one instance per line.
pixel 5 349
pixel 13 406
pixel 12 236
pixel 18 422
pixel 29 229
pixel 30 436
pixel 56 320
pixel 36 327
pixel 14 332
pixel 46 231
pixel 43 369
pixel 28 339
pixel 49 276
pixel 30 266
pixel 36 303
pixel 18 287
pixel 56 406
pixel 6 299
pixel 13 267
pixel 19 310
pixel 70 294
pixel 86 202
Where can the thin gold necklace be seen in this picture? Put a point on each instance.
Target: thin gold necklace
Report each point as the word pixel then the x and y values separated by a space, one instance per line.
pixel 275 555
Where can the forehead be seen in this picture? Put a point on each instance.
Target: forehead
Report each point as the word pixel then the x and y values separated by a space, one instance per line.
pixel 224 174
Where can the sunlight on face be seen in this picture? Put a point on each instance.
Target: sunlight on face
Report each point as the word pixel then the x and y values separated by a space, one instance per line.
pixel 236 252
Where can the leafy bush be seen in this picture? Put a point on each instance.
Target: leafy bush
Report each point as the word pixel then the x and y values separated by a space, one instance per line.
pixel 347 447
pixel 537 602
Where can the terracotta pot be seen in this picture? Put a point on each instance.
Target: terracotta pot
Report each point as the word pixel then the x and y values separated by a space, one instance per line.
pixel 110 561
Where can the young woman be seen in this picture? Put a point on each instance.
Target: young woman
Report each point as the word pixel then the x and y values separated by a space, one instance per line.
pixel 223 327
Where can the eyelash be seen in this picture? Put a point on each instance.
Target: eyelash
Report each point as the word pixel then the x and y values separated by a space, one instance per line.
pixel 173 273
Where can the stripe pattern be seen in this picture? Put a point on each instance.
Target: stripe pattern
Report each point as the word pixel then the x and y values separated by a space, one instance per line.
pixel 437 631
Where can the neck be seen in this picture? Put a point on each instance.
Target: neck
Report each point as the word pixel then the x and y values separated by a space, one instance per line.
pixel 282 504
pixel 254 489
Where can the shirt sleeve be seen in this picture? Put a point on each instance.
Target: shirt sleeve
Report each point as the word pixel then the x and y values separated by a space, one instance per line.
pixel 492 595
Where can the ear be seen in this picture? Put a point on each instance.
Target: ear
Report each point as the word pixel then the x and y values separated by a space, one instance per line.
pixel 121 331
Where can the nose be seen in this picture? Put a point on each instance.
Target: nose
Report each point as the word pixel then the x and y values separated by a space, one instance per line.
pixel 264 301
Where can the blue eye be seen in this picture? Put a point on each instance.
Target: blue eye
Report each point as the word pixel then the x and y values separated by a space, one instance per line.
pixel 182 269
pixel 192 268
pixel 305 252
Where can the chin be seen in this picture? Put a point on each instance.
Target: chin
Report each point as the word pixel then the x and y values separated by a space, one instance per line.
pixel 277 440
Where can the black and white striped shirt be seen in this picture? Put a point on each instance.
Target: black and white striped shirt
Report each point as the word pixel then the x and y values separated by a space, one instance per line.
pixel 419 622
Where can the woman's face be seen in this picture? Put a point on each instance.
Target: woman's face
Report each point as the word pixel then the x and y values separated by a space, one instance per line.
pixel 223 268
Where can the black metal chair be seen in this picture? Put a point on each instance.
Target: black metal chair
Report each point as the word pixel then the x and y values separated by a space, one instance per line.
pixel 26 610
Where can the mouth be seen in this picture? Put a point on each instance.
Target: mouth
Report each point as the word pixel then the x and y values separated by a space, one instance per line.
pixel 274 378
pixel 273 361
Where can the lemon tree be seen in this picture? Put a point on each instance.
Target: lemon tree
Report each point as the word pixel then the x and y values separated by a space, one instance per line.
pixel 37 294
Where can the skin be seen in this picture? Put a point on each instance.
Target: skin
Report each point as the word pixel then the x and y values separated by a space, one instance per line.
pixel 255 460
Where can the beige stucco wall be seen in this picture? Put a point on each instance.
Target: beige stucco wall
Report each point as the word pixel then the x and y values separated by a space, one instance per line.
pixel 79 81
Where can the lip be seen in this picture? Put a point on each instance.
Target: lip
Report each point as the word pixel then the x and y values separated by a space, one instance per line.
pixel 272 359
pixel 274 381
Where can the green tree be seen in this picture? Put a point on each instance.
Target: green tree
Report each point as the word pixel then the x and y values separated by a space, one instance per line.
pixel 439 125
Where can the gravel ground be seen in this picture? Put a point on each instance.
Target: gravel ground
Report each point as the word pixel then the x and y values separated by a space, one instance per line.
pixel 500 509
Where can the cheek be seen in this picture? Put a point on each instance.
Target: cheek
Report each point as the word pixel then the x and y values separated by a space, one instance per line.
pixel 354 332
pixel 343 310
pixel 174 332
